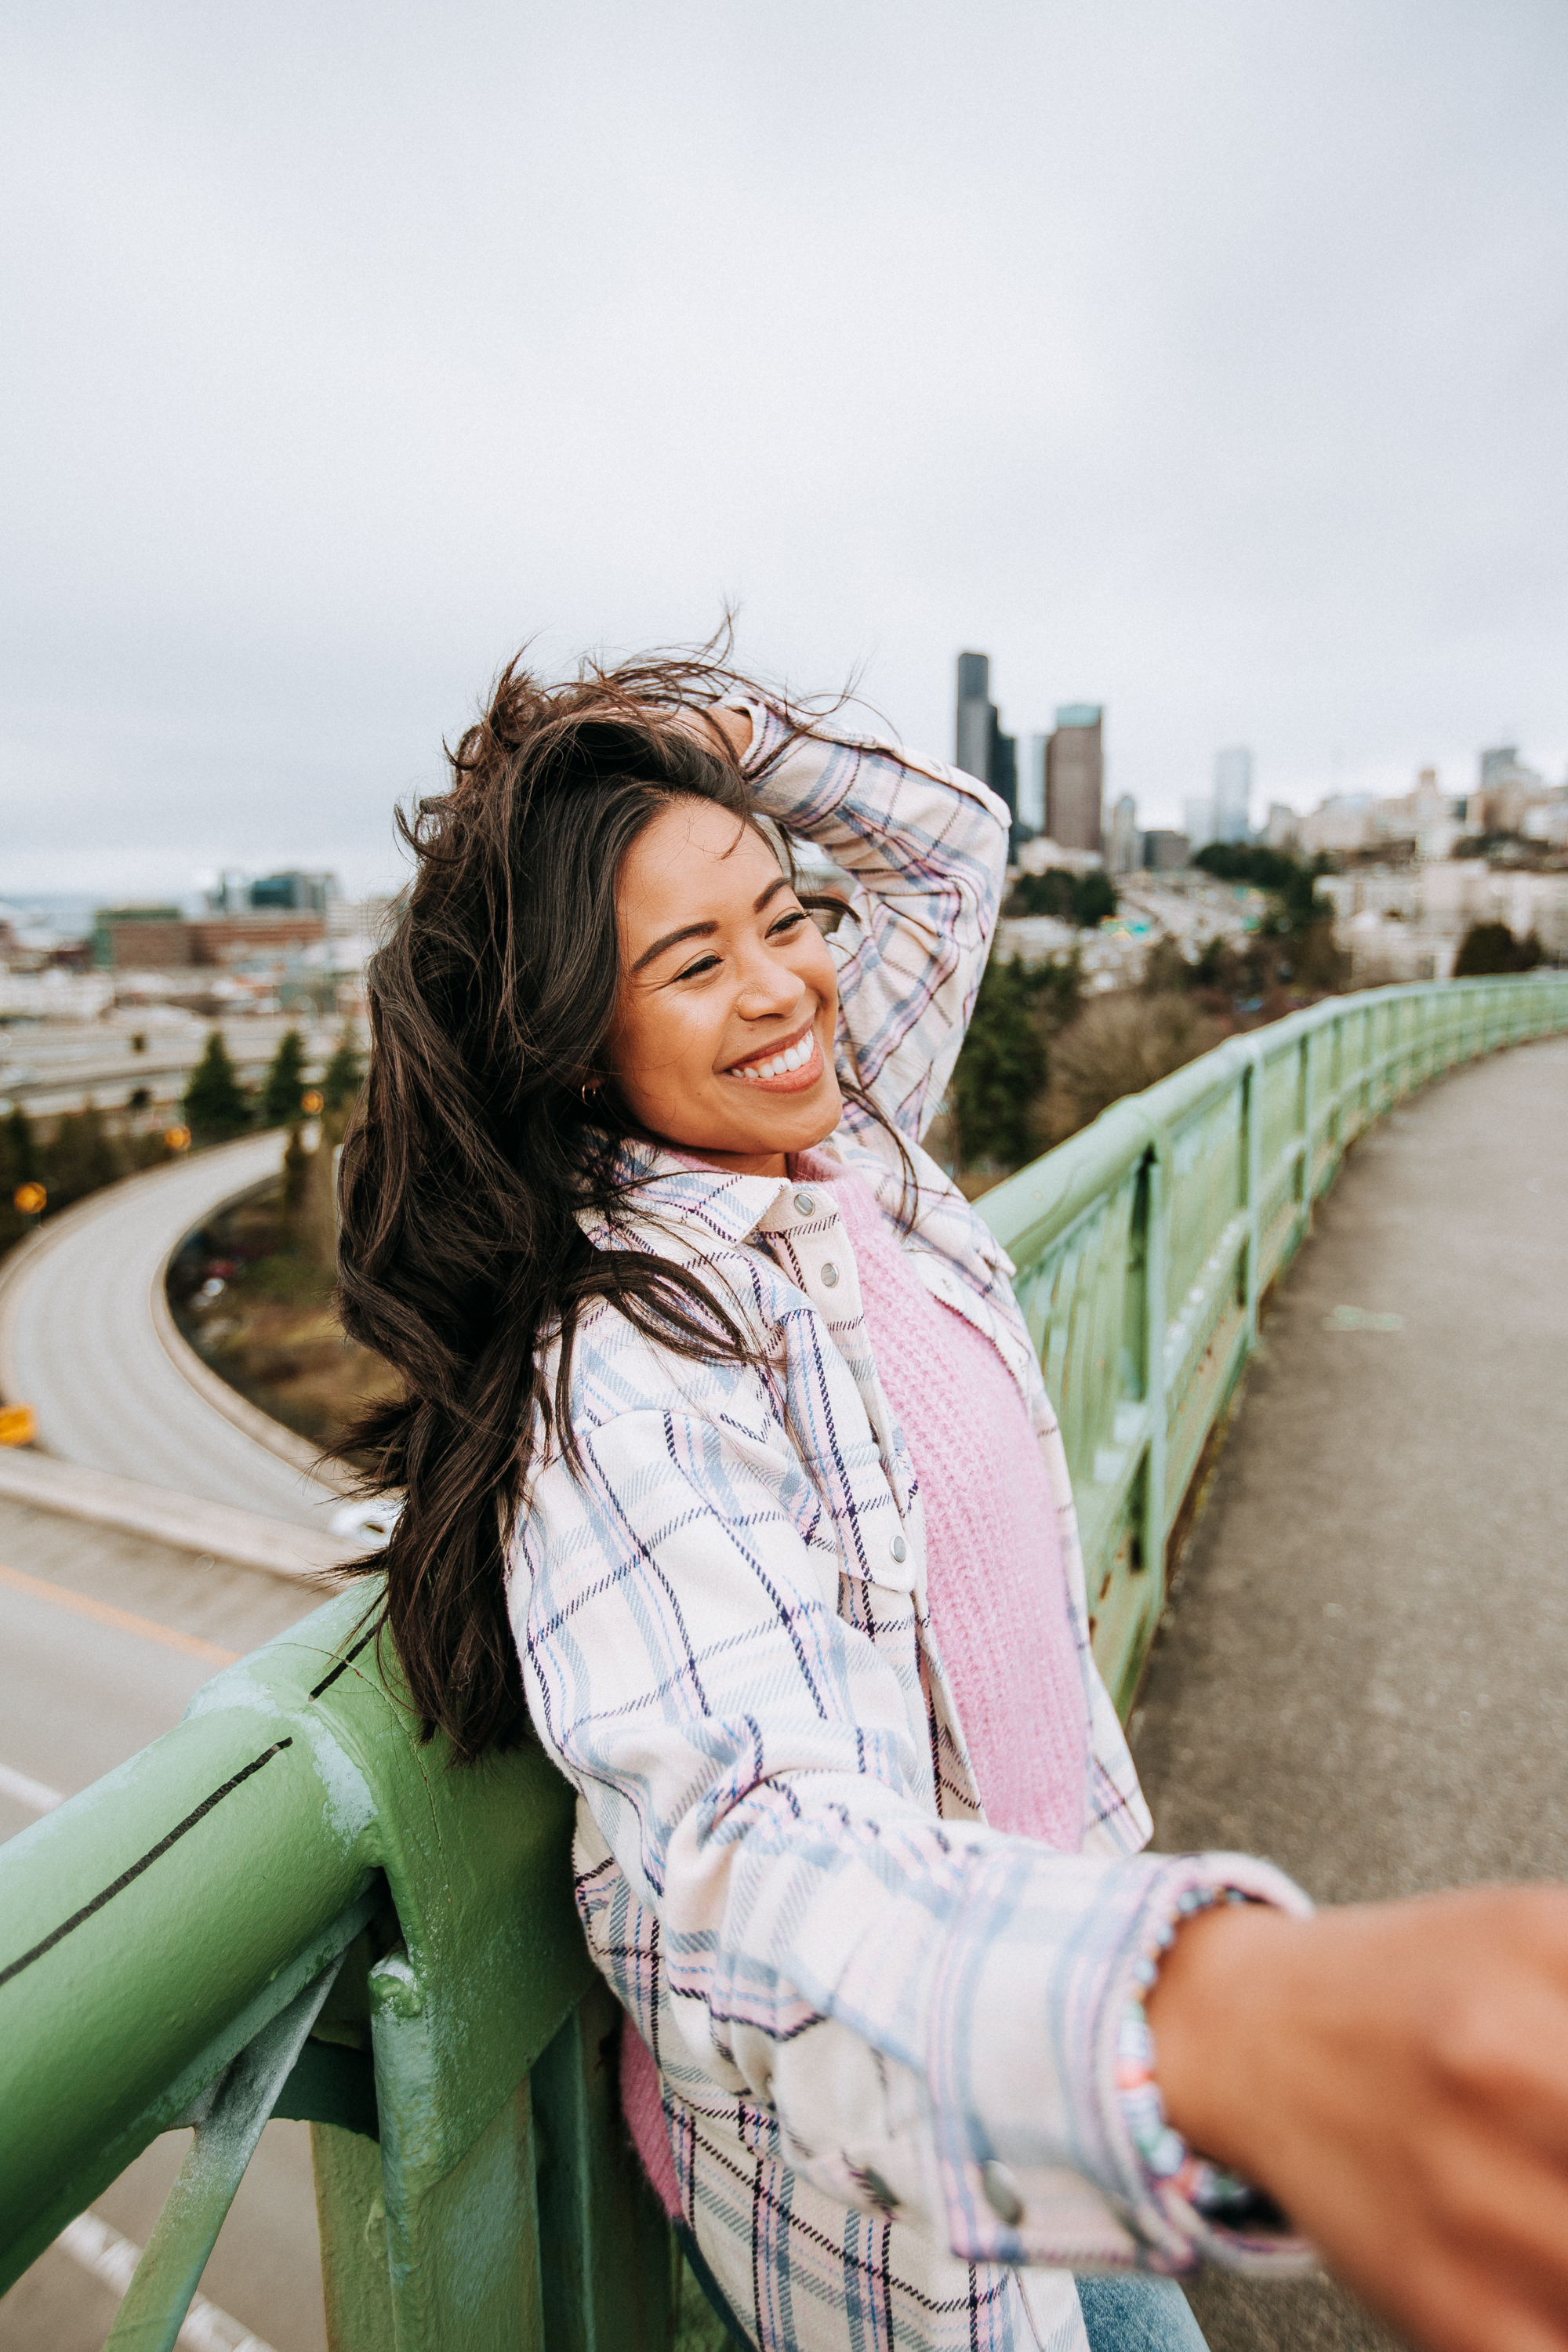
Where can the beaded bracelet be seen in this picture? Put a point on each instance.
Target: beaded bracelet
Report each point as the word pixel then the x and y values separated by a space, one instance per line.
pixel 1208 2188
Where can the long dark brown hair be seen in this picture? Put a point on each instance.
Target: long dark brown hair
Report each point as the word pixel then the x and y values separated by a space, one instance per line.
pixel 475 1147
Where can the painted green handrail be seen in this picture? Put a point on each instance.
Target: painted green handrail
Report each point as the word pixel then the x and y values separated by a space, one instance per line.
pixel 1145 1244
pixel 288 1906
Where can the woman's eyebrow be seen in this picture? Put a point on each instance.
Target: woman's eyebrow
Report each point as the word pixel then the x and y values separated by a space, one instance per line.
pixel 706 930
pixel 673 939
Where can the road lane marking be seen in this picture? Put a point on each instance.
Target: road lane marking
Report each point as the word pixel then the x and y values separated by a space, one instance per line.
pixel 90 2241
pixel 37 1795
pixel 78 1603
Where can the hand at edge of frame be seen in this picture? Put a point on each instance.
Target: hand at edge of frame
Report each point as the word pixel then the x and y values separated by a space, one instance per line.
pixel 1396 2076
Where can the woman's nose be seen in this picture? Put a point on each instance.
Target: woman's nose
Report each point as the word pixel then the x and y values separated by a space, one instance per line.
pixel 767 989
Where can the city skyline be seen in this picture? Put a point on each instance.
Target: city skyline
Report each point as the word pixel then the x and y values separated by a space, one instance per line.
pixel 194 890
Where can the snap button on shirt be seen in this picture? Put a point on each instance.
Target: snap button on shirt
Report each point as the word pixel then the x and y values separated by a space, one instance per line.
pixel 1002 2193
pixel 829 1276
pixel 898 1547
pixel 877 2190
pixel 805 1203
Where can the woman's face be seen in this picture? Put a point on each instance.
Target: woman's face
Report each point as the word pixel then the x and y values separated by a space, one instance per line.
pixel 723 1042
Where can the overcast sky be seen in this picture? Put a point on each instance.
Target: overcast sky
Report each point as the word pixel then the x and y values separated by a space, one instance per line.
pixel 1203 357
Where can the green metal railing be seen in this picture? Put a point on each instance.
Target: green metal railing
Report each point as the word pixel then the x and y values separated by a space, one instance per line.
pixel 1144 1245
pixel 286 1907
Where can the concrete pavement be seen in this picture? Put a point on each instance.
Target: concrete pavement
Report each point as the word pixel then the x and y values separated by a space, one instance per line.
pixel 1364 1674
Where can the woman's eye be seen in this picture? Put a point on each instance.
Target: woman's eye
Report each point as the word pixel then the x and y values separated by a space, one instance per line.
pixel 787 923
pixel 703 963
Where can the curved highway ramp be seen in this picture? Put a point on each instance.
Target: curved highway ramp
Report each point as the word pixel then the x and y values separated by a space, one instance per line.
pixel 85 1341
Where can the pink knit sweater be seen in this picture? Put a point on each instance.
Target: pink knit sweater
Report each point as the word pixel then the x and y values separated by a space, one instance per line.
pixel 995 1586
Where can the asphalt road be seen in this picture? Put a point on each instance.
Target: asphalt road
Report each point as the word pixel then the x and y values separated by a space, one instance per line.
pixel 80 1689
pixel 77 1343
pixel 1364 1674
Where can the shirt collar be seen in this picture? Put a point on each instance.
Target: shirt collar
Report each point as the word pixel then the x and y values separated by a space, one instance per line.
pixel 712 1205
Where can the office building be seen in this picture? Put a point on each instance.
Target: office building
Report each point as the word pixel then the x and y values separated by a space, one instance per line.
pixel 1198 818
pixel 294 893
pixel 1165 851
pixel 1075 777
pixel 1232 794
pixel 1123 854
pixel 1283 829
pixel 1032 786
pixel 137 939
pixel 980 747
pixel 976 716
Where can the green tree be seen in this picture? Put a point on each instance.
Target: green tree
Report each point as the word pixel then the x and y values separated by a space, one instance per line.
pixel 1094 900
pixel 217 1105
pixel 23 1164
pixel 344 1073
pixel 19 1164
pixel 1001 1072
pixel 1045 894
pixel 1491 946
pixel 1084 899
pixel 82 1158
pixel 284 1082
pixel 1290 883
pixel 296 1179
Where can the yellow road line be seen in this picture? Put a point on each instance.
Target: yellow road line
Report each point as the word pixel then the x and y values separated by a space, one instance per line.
pixel 78 1603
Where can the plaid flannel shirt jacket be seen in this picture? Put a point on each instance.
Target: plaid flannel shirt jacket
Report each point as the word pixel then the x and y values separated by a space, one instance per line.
pixel 886 2032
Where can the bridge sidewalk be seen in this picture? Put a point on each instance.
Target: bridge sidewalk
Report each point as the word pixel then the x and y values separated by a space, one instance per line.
pixel 1365 1673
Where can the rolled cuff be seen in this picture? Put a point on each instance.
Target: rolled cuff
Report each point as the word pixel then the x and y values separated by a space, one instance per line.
pixel 1002 2122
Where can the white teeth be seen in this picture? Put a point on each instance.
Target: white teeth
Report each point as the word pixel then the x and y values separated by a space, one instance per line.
pixel 778 1066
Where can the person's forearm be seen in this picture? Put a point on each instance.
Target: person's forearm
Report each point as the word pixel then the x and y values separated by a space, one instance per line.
pixel 1395 2075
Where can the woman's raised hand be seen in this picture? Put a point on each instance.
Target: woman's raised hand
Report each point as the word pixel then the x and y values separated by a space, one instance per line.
pixel 1396 2076
pixel 732 726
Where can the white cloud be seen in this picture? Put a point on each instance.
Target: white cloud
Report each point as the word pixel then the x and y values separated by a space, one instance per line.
pixel 1208 362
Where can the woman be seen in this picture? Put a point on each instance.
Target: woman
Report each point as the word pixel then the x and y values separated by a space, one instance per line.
pixel 730 1471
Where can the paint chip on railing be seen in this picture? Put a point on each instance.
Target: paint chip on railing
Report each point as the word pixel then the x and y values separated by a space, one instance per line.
pixel 90 2242
pixel 1361 1318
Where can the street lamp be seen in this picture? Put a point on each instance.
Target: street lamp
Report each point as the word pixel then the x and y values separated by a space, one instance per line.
pixel 177 1138
pixel 29 1200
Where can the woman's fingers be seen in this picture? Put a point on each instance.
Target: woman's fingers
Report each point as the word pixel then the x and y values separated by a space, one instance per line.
pixel 732 728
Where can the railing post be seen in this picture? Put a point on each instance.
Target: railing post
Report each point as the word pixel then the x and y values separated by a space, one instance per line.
pixel 1252 1110
pixel 351 2220
pixel 1156 1259
pixel 1307 1163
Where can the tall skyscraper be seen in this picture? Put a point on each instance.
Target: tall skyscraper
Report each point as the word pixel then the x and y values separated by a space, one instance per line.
pixel 1075 777
pixel 1232 794
pixel 1198 818
pixel 1032 786
pixel 980 747
pixel 976 716
pixel 1123 854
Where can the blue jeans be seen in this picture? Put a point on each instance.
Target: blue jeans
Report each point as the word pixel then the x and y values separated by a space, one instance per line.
pixel 1137 2314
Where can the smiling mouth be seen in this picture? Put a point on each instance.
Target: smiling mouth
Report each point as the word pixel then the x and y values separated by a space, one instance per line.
pixel 788 1068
